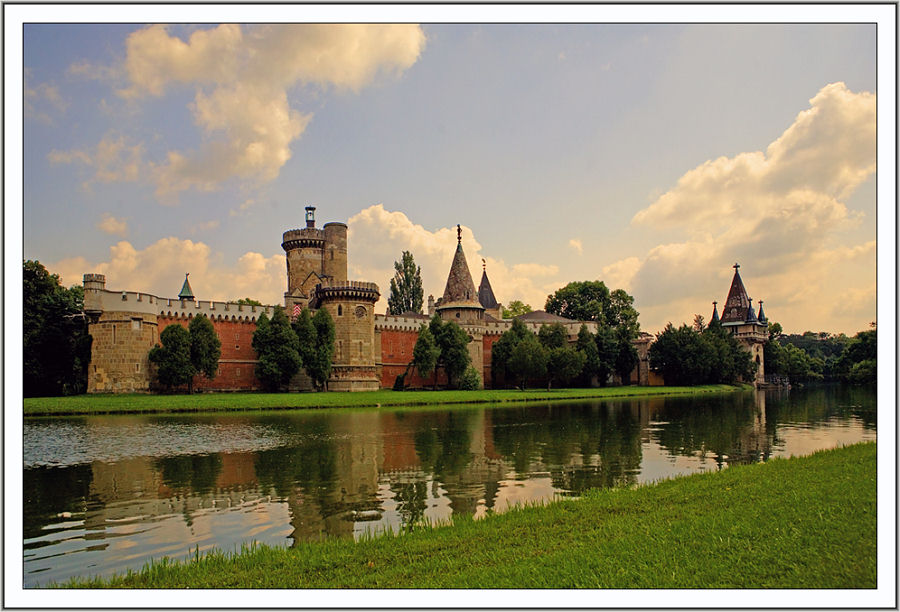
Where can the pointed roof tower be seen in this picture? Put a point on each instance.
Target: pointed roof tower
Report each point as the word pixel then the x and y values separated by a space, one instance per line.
pixel 186 293
pixel 737 305
pixel 485 293
pixel 715 314
pixel 460 287
pixel 762 316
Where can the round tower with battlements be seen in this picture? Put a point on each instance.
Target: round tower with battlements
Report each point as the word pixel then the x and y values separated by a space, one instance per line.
pixel 313 256
pixel 351 305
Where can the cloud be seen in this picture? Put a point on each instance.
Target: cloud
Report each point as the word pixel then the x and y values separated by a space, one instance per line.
pixel 243 208
pixel 113 160
pixel 241 77
pixel 159 270
pixel 113 225
pixel 377 237
pixel 42 101
pixel 780 213
pixel 205 226
pixel 575 243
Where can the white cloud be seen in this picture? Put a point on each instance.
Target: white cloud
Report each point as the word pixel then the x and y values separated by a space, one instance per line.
pixel 113 225
pixel 779 213
pixel 42 101
pixel 241 77
pixel 113 160
pixel 159 270
pixel 575 243
pixel 377 237
pixel 205 226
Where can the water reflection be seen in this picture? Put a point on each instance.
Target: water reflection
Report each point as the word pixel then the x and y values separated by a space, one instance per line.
pixel 156 486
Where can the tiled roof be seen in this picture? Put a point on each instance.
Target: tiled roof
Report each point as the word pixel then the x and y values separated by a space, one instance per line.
pixel 485 293
pixel 460 287
pixel 737 304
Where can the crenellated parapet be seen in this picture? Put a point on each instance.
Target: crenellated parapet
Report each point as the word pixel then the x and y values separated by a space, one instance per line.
pixel 306 238
pixel 347 290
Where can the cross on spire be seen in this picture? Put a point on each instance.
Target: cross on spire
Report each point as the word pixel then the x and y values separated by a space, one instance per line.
pixel 736 266
pixel 458 234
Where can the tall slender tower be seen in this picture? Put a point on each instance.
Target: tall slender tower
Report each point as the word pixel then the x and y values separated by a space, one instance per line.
pixel 739 317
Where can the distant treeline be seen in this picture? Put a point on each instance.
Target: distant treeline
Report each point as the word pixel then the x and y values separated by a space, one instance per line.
pixel 822 356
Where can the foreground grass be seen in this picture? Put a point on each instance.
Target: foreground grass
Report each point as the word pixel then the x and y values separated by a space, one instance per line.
pixel 789 523
pixel 145 403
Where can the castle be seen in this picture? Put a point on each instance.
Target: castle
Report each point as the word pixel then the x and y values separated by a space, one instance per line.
pixel 371 350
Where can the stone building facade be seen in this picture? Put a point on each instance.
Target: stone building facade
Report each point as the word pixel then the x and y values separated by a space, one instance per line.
pixel 739 317
pixel 371 350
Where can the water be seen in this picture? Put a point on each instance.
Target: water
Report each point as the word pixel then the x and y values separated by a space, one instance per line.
pixel 104 494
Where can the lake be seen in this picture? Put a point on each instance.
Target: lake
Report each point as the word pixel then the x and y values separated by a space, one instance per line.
pixel 107 493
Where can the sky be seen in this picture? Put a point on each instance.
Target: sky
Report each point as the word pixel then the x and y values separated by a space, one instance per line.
pixel 652 157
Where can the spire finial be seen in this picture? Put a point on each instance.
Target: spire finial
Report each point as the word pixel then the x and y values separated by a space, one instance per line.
pixel 736 266
pixel 458 234
pixel 483 264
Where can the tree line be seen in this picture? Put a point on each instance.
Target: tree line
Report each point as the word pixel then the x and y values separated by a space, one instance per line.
pixel 811 356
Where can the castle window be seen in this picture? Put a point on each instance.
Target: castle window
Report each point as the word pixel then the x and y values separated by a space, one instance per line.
pixel 114 334
pixel 136 323
pixel 332 254
pixel 340 310
pixel 137 367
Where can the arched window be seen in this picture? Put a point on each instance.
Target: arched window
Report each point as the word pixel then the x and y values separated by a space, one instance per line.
pixel 340 310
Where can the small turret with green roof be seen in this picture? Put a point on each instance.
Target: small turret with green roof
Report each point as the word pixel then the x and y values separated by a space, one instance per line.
pixel 186 293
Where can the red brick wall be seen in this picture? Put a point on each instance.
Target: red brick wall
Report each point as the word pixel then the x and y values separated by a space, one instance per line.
pixel 487 343
pixel 396 353
pixel 238 358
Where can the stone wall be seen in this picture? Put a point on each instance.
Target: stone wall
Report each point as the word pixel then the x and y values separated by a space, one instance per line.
pixel 119 352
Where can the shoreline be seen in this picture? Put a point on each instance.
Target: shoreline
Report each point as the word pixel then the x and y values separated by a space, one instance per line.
pixel 102 404
pixel 799 522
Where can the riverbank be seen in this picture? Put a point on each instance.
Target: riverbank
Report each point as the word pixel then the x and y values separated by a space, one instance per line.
pixel 219 402
pixel 807 522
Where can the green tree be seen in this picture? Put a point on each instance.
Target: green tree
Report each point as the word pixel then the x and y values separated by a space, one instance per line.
pixel 515 309
pixel 426 352
pixel 57 347
pixel 406 286
pixel 587 346
pixel 275 344
pixel 173 359
pixel 730 363
pixel 470 380
pixel 553 335
pixel 528 360
pixel 453 343
pixel 306 338
pixel 206 348
pixel 248 302
pixel 607 353
pixel 320 368
pixel 563 364
pixel 502 349
pixel 680 356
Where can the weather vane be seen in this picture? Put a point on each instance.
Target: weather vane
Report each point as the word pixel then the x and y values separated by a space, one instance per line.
pixel 458 233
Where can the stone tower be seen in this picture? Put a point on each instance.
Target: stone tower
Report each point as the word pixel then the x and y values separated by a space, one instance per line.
pixel 739 317
pixel 317 278
pixel 124 328
pixel 460 303
pixel 313 256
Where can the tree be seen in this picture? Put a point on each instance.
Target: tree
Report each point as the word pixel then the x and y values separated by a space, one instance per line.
pixel 699 323
pixel 426 352
pixel 502 349
pixel 406 287
pixel 516 308
pixel 553 335
pixel 57 346
pixel 470 380
pixel 320 368
pixel 626 356
pixel 173 358
pixel 275 344
pixel 206 348
pixel 453 343
pixel 248 302
pixel 586 344
pixel 563 364
pixel 528 360
pixel 306 338
pixel 582 301
pixel 730 363
pixel 607 353
pixel 680 356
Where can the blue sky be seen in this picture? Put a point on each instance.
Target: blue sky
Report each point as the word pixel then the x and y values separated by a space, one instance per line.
pixel 649 156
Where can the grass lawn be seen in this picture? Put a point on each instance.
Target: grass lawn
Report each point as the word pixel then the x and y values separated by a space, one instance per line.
pixel 200 402
pixel 805 522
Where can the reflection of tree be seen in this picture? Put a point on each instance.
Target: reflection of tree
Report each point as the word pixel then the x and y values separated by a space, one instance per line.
pixel 443 441
pixel 721 425
pixel 584 445
pixel 311 463
pixel 195 472
pixel 51 490
pixel 410 498
pixel 817 403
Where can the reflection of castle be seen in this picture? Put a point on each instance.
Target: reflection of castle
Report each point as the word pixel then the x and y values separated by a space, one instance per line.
pixel 371 350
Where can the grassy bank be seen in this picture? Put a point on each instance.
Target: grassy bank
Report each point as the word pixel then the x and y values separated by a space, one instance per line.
pixel 789 523
pixel 201 402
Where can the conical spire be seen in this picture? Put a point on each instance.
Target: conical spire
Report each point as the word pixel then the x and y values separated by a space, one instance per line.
pixel 715 314
pixel 485 292
pixel 737 304
pixel 186 293
pixel 751 315
pixel 762 316
pixel 460 287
